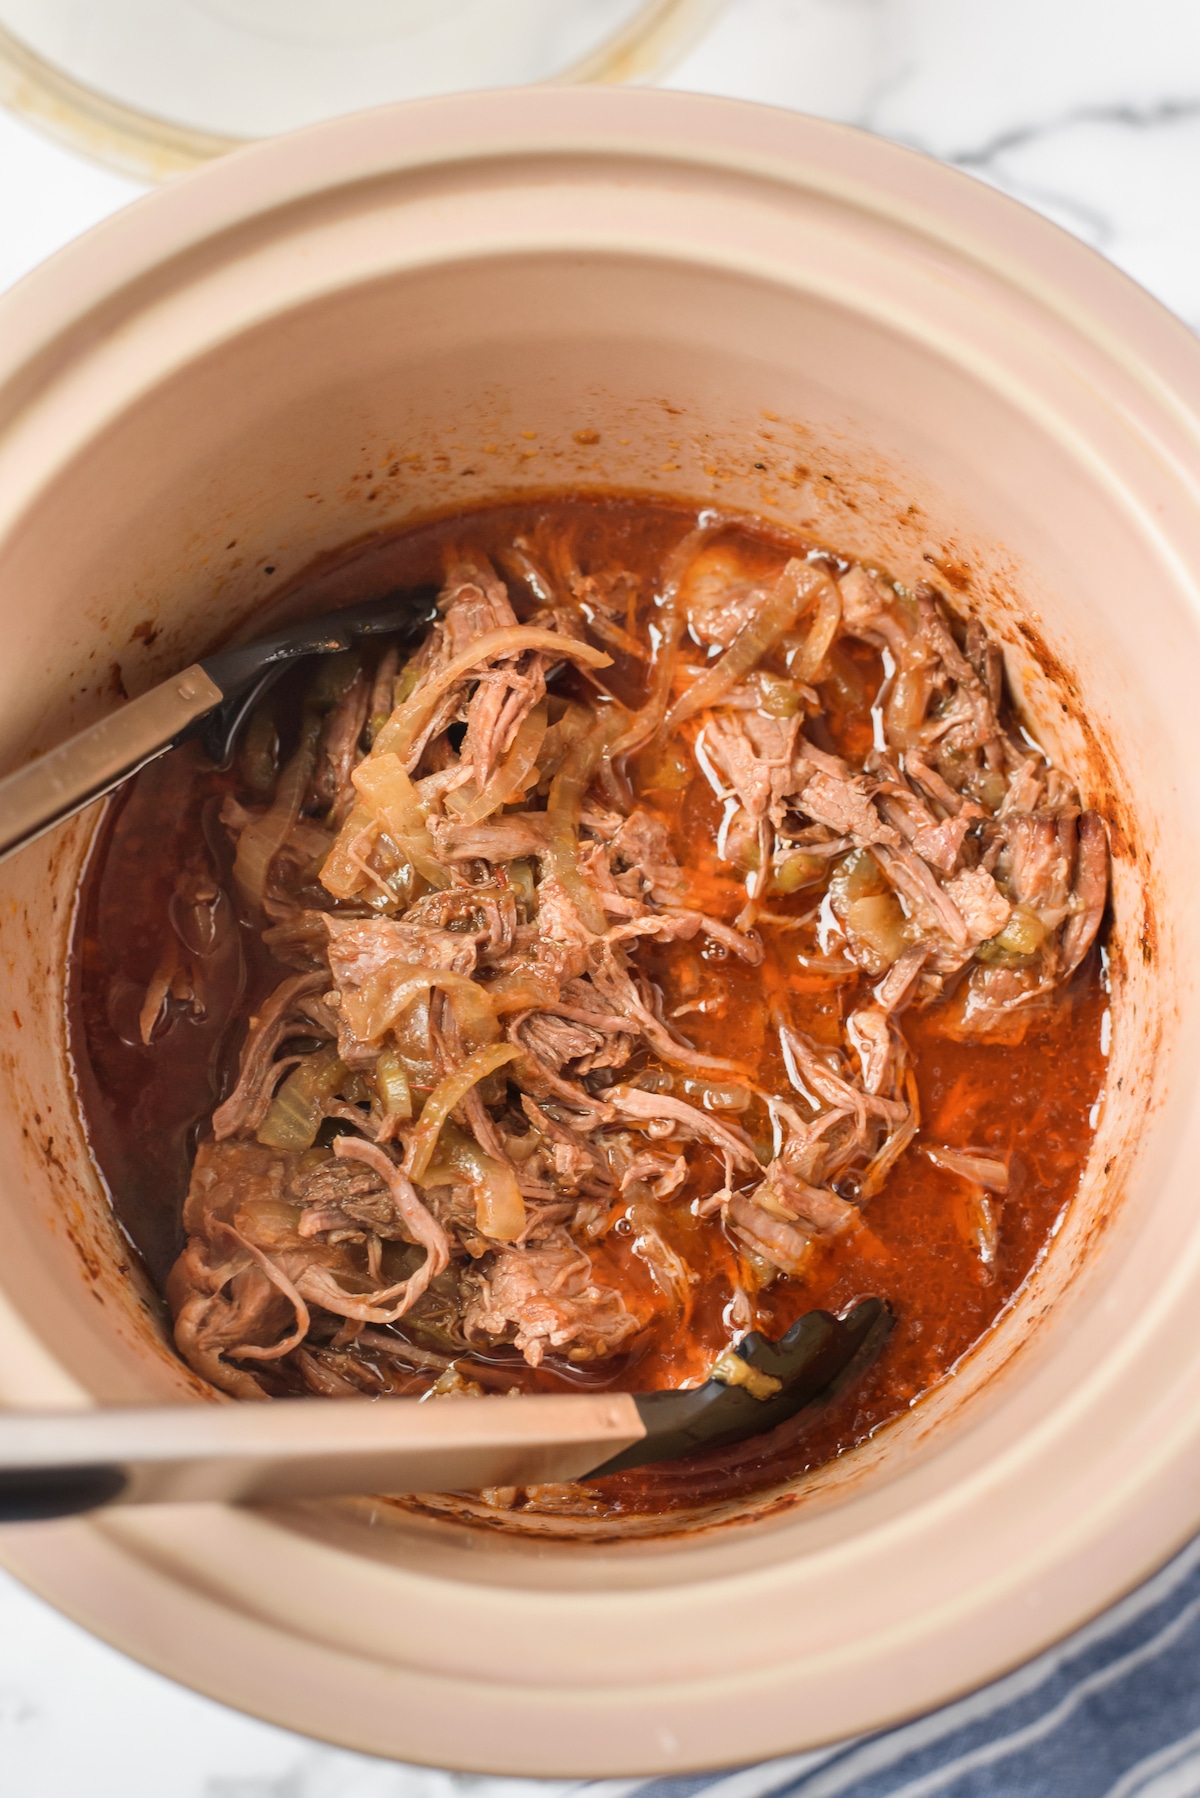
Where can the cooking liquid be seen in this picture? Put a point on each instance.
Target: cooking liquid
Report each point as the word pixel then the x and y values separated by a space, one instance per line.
pixel 145 1107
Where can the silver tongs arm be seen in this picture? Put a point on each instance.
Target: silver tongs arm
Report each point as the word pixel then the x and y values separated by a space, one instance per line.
pixel 216 693
pixel 61 783
pixel 56 1463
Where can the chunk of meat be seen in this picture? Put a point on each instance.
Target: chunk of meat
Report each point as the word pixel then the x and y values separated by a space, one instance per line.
pixel 227 1298
pixel 927 777
pixel 865 599
pixel 937 841
pixel 564 941
pixel 571 1165
pixel 786 1246
pixel 339 750
pixel 643 844
pixel 615 984
pixel 661 1171
pixel 612 1040
pixel 573 1141
pixel 785 1194
pixel 841 802
pixel 299 941
pixel 754 753
pixel 1025 787
pixel 558 1040
pixel 548 1298
pixel 820 1077
pixel 897 985
pixel 337 1196
pixel 472 602
pixel 720 595
pixel 384 1305
pixel 929 902
pixel 980 903
pixel 870 1032
pixel 747 948
pixel 381 970
pixel 362 947
pixel 540 1078
pixel 1040 861
pixel 995 1003
pixel 1089 893
pixel 503 698
pixel 505 839
pixel 976 703
pixel 485 915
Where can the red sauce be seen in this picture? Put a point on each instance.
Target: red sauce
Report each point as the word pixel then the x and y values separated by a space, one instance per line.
pixel 1031 1100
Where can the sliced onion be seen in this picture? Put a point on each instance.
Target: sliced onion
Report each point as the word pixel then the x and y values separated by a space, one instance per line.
pixel 512 778
pixel 647 721
pixel 340 874
pixel 410 718
pixel 878 921
pixel 445 1096
pixel 261 841
pixel 805 664
pixel 970 1164
pixel 713 1095
pixel 295 1113
pixel 1024 933
pixel 499 1207
pixel 383 998
pixel 158 991
pixel 391 1083
pixel 563 810
pixel 794 593
pixel 525 989
pixel 392 801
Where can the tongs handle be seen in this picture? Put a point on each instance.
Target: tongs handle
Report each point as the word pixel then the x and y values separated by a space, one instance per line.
pixel 55 1464
pixel 59 1463
pixel 93 762
pixel 222 689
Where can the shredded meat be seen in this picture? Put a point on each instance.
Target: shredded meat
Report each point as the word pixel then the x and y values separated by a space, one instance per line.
pixel 841 801
pixel 474 1113
pixel 284 1014
pixel 979 903
pixel 642 845
pixel 549 1298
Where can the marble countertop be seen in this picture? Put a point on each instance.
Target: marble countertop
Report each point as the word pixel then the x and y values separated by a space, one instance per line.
pixel 1088 110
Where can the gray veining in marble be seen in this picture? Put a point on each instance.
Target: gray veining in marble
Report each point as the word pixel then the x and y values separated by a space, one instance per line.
pixel 1089 112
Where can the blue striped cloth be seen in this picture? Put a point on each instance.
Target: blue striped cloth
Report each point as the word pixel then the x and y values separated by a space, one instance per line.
pixel 1113 1712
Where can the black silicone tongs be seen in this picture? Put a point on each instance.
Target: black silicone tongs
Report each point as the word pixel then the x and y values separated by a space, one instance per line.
pixel 211 699
pixel 61 1463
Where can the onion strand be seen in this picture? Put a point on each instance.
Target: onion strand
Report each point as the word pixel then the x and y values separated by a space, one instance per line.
pixel 448 1093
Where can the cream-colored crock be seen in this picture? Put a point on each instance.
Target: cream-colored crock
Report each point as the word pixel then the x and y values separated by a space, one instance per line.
pixel 431 305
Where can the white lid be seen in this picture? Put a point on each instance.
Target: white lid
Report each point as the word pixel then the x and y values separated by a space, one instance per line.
pixel 152 86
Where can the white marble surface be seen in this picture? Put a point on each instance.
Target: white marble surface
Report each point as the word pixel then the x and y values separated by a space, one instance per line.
pixel 1086 109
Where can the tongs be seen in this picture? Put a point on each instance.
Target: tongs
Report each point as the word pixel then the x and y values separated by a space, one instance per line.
pixel 55 1464
pixel 211 699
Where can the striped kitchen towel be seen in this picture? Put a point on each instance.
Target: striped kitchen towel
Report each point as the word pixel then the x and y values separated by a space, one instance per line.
pixel 1113 1712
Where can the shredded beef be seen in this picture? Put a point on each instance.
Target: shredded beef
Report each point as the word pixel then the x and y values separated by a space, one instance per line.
pixel 469 1109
